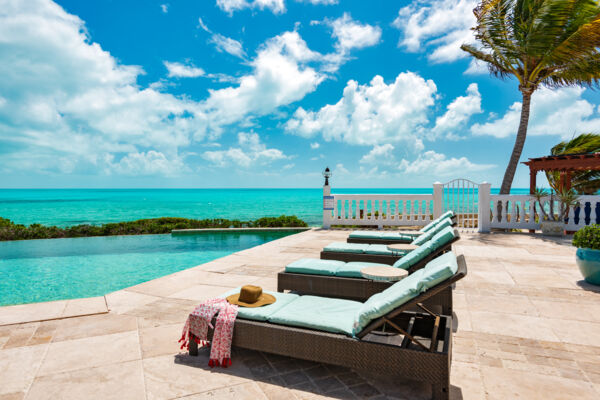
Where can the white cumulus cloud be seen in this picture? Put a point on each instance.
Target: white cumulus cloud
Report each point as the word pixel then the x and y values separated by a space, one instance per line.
pixel 438 27
pixel 281 75
pixel 562 112
pixel 372 113
pixel 431 163
pixel 223 43
pixel 179 70
pixel 229 6
pixel 147 163
pixel 251 151
pixel 313 146
pixel 380 155
pixel 458 113
pixel 352 34
pixel 71 106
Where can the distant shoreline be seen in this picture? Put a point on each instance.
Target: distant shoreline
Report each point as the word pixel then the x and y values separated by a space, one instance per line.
pixel 10 231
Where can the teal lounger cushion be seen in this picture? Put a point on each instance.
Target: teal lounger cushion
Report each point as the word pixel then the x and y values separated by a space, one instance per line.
pixel 442 237
pixel 382 303
pixel 399 236
pixel 387 235
pixel 413 257
pixel 314 266
pixel 379 249
pixel 263 313
pixel 447 214
pixel 365 234
pixel 443 224
pixel 352 269
pixel 438 270
pixel 424 237
pixel 320 313
pixel 447 222
pixel 343 247
pixel 429 226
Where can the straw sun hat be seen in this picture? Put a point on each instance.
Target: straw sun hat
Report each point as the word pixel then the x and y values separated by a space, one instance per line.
pixel 251 296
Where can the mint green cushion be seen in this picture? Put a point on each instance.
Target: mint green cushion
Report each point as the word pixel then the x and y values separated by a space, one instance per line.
pixel 447 214
pixel 343 247
pixel 314 266
pixel 382 303
pixel 366 235
pixel 429 226
pixel 424 237
pixel 437 270
pixel 415 256
pixel 398 236
pixel 443 224
pixel 379 249
pixel 264 312
pixel 352 269
pixel 442 237
pixel 320 313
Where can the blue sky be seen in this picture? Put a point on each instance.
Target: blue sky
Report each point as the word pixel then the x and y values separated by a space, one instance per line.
pixel 259 93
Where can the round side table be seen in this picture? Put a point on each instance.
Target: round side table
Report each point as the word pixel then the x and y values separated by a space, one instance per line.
pixel 401 248
pixel 386 274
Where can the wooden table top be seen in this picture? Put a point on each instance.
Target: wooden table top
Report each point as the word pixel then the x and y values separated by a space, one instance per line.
pixel 383 273
pixel 402 246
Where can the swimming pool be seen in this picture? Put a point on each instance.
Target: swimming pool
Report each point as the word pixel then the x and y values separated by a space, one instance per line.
pixel 57 269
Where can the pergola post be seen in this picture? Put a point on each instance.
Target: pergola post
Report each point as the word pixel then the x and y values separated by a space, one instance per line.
pixel 532 180
pixel 532 184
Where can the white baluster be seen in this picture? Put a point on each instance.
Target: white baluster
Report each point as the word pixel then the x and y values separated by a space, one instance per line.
pixel 389 210
pixel 513 213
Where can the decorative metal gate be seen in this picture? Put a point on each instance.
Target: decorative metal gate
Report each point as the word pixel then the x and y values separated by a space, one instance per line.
pixel 462 197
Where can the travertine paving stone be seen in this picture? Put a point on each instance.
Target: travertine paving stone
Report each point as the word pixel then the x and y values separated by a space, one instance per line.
pixel 526 326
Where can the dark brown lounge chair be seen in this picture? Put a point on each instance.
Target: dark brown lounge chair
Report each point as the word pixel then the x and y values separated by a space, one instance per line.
pixel 422 350
pixel 361 289
pixel 378 258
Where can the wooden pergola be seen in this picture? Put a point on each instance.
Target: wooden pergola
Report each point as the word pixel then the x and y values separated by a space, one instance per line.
pixel 566 164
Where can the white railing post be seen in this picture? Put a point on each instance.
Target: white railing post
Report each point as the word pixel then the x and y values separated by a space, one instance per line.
pixel 328 202
pixel 438 189
pixel 484 207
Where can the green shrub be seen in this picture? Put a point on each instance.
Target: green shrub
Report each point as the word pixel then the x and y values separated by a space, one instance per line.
pixel 588 237
pixel 11 231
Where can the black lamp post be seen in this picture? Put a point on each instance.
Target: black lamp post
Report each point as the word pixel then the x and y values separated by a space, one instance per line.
pixel 327 174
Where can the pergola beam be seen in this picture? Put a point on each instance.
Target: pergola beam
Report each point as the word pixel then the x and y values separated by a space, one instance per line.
pixel 566 164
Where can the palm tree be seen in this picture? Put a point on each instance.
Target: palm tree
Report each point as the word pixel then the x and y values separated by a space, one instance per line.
pixel 553 43
pixel 584 182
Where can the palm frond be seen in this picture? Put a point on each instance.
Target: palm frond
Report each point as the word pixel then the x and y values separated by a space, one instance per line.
pixel 550 42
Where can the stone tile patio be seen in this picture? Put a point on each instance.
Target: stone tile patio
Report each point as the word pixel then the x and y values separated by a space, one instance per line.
pixel 526 327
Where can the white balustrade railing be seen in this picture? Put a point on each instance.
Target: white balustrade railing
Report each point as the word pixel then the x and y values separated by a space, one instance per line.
pixel 523 212
pixel 475 208
pixel 380 209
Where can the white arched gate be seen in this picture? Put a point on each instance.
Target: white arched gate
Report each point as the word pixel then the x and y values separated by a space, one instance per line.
pixel 462 197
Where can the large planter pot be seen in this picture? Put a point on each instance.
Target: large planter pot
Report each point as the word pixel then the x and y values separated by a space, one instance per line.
pixel 552 228
pixel 588 261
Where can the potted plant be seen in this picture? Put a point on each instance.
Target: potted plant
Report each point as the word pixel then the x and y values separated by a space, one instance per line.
pixel 552 223
pixel 587 241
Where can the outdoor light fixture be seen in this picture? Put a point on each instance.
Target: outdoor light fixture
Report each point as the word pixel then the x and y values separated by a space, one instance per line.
pixel 327 174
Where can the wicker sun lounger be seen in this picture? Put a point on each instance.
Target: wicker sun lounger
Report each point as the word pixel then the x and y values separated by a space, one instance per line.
pixel 361 289
pixel 378 258
pixel 391 241
pixel 422 349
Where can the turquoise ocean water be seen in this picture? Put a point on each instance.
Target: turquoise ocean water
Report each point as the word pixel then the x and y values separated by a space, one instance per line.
pixel 64 207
